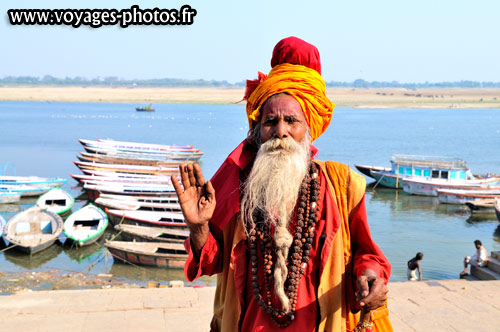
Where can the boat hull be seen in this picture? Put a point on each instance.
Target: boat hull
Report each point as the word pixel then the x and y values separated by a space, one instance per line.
pixel 6 198
pixel 135 255
pixel 33 230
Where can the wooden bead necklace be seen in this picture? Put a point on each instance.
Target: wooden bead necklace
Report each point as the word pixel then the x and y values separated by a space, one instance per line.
pixel 298 257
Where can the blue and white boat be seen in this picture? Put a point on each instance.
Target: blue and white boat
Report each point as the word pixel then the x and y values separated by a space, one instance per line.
pixel 32 181
pixel 7 197
pixel 25 189
pixel 431 168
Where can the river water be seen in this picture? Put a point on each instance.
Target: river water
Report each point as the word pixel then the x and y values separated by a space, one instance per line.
pixel 40 138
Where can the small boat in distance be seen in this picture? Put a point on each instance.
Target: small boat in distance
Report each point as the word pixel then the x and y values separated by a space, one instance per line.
pixel 148 108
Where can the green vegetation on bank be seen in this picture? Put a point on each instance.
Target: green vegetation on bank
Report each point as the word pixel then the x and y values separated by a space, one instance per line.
pixel 113 81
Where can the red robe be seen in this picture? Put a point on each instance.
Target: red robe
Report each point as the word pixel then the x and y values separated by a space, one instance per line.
pixel 366 254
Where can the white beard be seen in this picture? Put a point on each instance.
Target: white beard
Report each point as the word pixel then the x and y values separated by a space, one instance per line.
pixel 273 187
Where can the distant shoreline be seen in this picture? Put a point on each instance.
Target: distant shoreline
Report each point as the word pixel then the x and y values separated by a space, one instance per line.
pixel 342 97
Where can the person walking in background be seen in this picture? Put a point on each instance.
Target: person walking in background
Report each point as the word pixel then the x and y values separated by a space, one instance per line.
pixel 480 258
pixel 413 266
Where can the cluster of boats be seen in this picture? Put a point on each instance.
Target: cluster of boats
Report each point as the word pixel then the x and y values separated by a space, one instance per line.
pixel 129 187
pixel 131 182
pixel 39 227
pixel 449 179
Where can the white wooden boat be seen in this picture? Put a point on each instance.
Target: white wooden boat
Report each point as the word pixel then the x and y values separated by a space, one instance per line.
pixel 32 180
pixel 135 185
pixel 146 199
pixel 94 191
pixel 57 201
pixel 159 180
pixel 157 254
pixel 25 190
pixel 107 143
pixel 86 225
pixel 126 176
pixel 135 205
pixel 146 218
pixel 118 159
pixel 457 196
pixel 151 234
pixel 132 169
pixel 429 187
pixel 166 156
pixel 33 230
pixel 3 222
pixel 9 197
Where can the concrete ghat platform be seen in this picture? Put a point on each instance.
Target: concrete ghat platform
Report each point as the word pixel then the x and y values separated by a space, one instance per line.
pixel 445 305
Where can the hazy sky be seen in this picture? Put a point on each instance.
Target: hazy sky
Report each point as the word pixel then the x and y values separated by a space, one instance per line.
pixel 407 41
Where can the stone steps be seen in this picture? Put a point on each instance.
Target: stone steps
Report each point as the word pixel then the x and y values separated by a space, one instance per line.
pixel 489 272
pixel 494 264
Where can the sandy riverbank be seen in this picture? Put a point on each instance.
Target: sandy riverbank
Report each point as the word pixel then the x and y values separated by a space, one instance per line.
pixel 343 97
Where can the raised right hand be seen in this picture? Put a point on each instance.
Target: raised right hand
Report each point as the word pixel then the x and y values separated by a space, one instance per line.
pixel 197 201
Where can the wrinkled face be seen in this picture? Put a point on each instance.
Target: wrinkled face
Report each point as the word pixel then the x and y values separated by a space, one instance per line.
pixel 282 117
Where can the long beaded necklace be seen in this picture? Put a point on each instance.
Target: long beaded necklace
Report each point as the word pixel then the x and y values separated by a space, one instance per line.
pixel 307 216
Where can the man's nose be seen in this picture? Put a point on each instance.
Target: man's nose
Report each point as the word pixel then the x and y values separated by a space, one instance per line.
pixel 281 130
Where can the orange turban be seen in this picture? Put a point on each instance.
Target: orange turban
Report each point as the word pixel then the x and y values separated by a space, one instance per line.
pixel 297 80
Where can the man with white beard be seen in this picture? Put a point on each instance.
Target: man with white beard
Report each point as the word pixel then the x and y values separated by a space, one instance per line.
pixel 286 235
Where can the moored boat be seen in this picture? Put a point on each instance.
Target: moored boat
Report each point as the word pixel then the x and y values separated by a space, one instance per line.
pixel 429 187
pixel 151 234
pixel 159 180
pixel 32 180
pixel 2 225
pixel 136 146
pixel 128 168
pixel 169 156
pixel 366 169
pixel 33 230
pixel 143 198
pixel 449 196
pixel 57 201
pixel 157 254
pixel 9 197
pixel 421 167
pixel 86 225
pixel 25 190
pixel 482 206
pixel 95 191
pixel 104 159
pixel 146 218
pixel 135 205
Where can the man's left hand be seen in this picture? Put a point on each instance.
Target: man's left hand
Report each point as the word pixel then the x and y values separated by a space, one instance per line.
pixel 371 291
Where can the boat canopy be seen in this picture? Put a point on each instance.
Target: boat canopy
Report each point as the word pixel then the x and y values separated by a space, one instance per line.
pixel 429 161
